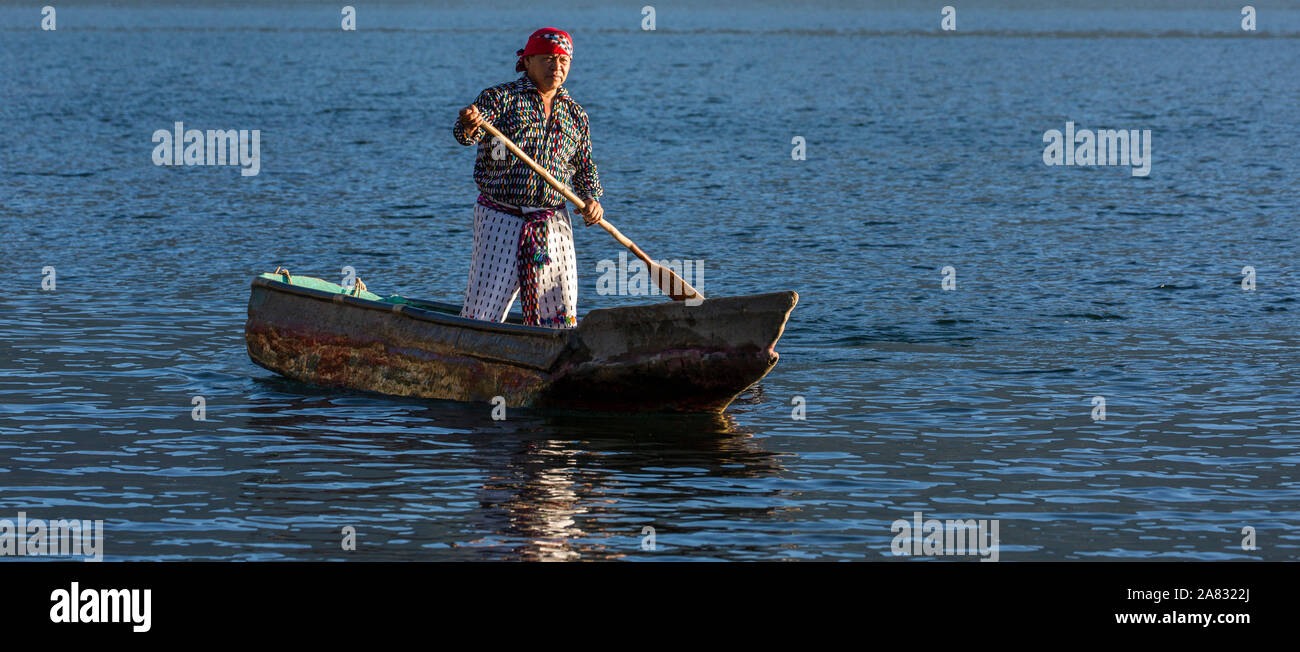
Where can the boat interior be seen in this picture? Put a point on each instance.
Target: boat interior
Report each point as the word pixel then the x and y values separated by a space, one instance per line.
pixel 359 291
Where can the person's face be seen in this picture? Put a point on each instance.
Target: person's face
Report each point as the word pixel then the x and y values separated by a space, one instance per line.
pixel 547 71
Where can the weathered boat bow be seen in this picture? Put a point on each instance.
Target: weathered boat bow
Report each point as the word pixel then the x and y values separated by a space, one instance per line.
pixel 662 357
pixel 673 355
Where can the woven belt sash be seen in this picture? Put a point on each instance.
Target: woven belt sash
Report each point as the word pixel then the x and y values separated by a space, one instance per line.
pixel 532 254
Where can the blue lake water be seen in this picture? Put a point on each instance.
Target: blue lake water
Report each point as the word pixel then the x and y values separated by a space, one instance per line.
pixel 923 151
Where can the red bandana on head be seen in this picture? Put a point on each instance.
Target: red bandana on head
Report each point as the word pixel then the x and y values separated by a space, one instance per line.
pixel 546 40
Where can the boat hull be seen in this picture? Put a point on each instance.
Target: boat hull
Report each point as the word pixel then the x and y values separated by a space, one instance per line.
pixel 661 357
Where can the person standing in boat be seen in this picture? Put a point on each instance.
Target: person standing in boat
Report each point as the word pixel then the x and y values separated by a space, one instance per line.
pixel 523 236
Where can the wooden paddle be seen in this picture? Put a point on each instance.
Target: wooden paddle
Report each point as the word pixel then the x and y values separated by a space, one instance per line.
pixel 667 280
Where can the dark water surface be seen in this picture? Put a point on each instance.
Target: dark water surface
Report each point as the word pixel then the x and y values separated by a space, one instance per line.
pixel 924 150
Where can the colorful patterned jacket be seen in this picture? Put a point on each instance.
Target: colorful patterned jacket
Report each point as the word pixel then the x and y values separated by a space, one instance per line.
pixel 563 146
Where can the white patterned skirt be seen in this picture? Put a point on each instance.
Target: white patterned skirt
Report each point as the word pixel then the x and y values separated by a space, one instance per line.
pixel 495 272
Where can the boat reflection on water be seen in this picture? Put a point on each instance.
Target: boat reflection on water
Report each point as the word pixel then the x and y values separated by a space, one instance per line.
pixel 546 485
pixel 567 495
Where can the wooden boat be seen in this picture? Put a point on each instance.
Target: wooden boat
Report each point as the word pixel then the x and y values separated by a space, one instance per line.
pixel 662 357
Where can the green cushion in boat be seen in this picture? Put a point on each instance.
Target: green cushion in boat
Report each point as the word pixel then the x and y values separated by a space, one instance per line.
pixel 325 286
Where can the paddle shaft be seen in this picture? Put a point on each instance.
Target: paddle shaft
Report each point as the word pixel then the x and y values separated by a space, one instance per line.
pixel 668 280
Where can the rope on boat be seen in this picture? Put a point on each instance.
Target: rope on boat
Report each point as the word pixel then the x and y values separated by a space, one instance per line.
pixel 357 288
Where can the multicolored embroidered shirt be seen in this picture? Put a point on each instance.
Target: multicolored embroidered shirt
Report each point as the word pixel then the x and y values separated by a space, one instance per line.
pixel 561 144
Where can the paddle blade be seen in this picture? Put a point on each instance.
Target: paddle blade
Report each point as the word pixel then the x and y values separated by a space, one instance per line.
pixel 674 285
